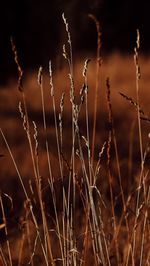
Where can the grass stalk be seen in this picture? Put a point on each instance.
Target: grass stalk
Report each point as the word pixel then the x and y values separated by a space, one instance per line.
pixel 6 231
pixel 2 257
pixel 138 75
pixel 98 65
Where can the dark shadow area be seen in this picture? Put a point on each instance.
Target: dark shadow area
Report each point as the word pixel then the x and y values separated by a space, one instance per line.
pixel 39 32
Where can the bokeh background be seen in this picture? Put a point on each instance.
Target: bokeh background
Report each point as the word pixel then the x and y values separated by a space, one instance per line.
pixel 39 33
pixel 38 30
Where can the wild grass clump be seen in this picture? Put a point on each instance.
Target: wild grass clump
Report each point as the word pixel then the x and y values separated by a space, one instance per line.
pixel 87 214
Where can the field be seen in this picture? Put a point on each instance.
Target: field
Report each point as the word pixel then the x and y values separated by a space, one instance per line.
pixel 74 160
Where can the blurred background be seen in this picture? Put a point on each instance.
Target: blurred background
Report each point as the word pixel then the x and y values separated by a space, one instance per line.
pixel 39 33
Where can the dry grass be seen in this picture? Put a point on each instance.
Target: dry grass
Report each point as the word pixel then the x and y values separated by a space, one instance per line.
pixel 60 205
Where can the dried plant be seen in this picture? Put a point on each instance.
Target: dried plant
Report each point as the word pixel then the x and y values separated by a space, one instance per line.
pixel 69 213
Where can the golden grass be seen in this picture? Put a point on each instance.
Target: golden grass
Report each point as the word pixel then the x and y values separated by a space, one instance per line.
pixel 60 205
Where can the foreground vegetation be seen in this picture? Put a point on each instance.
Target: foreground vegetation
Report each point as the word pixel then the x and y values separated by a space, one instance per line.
pixel 82 198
